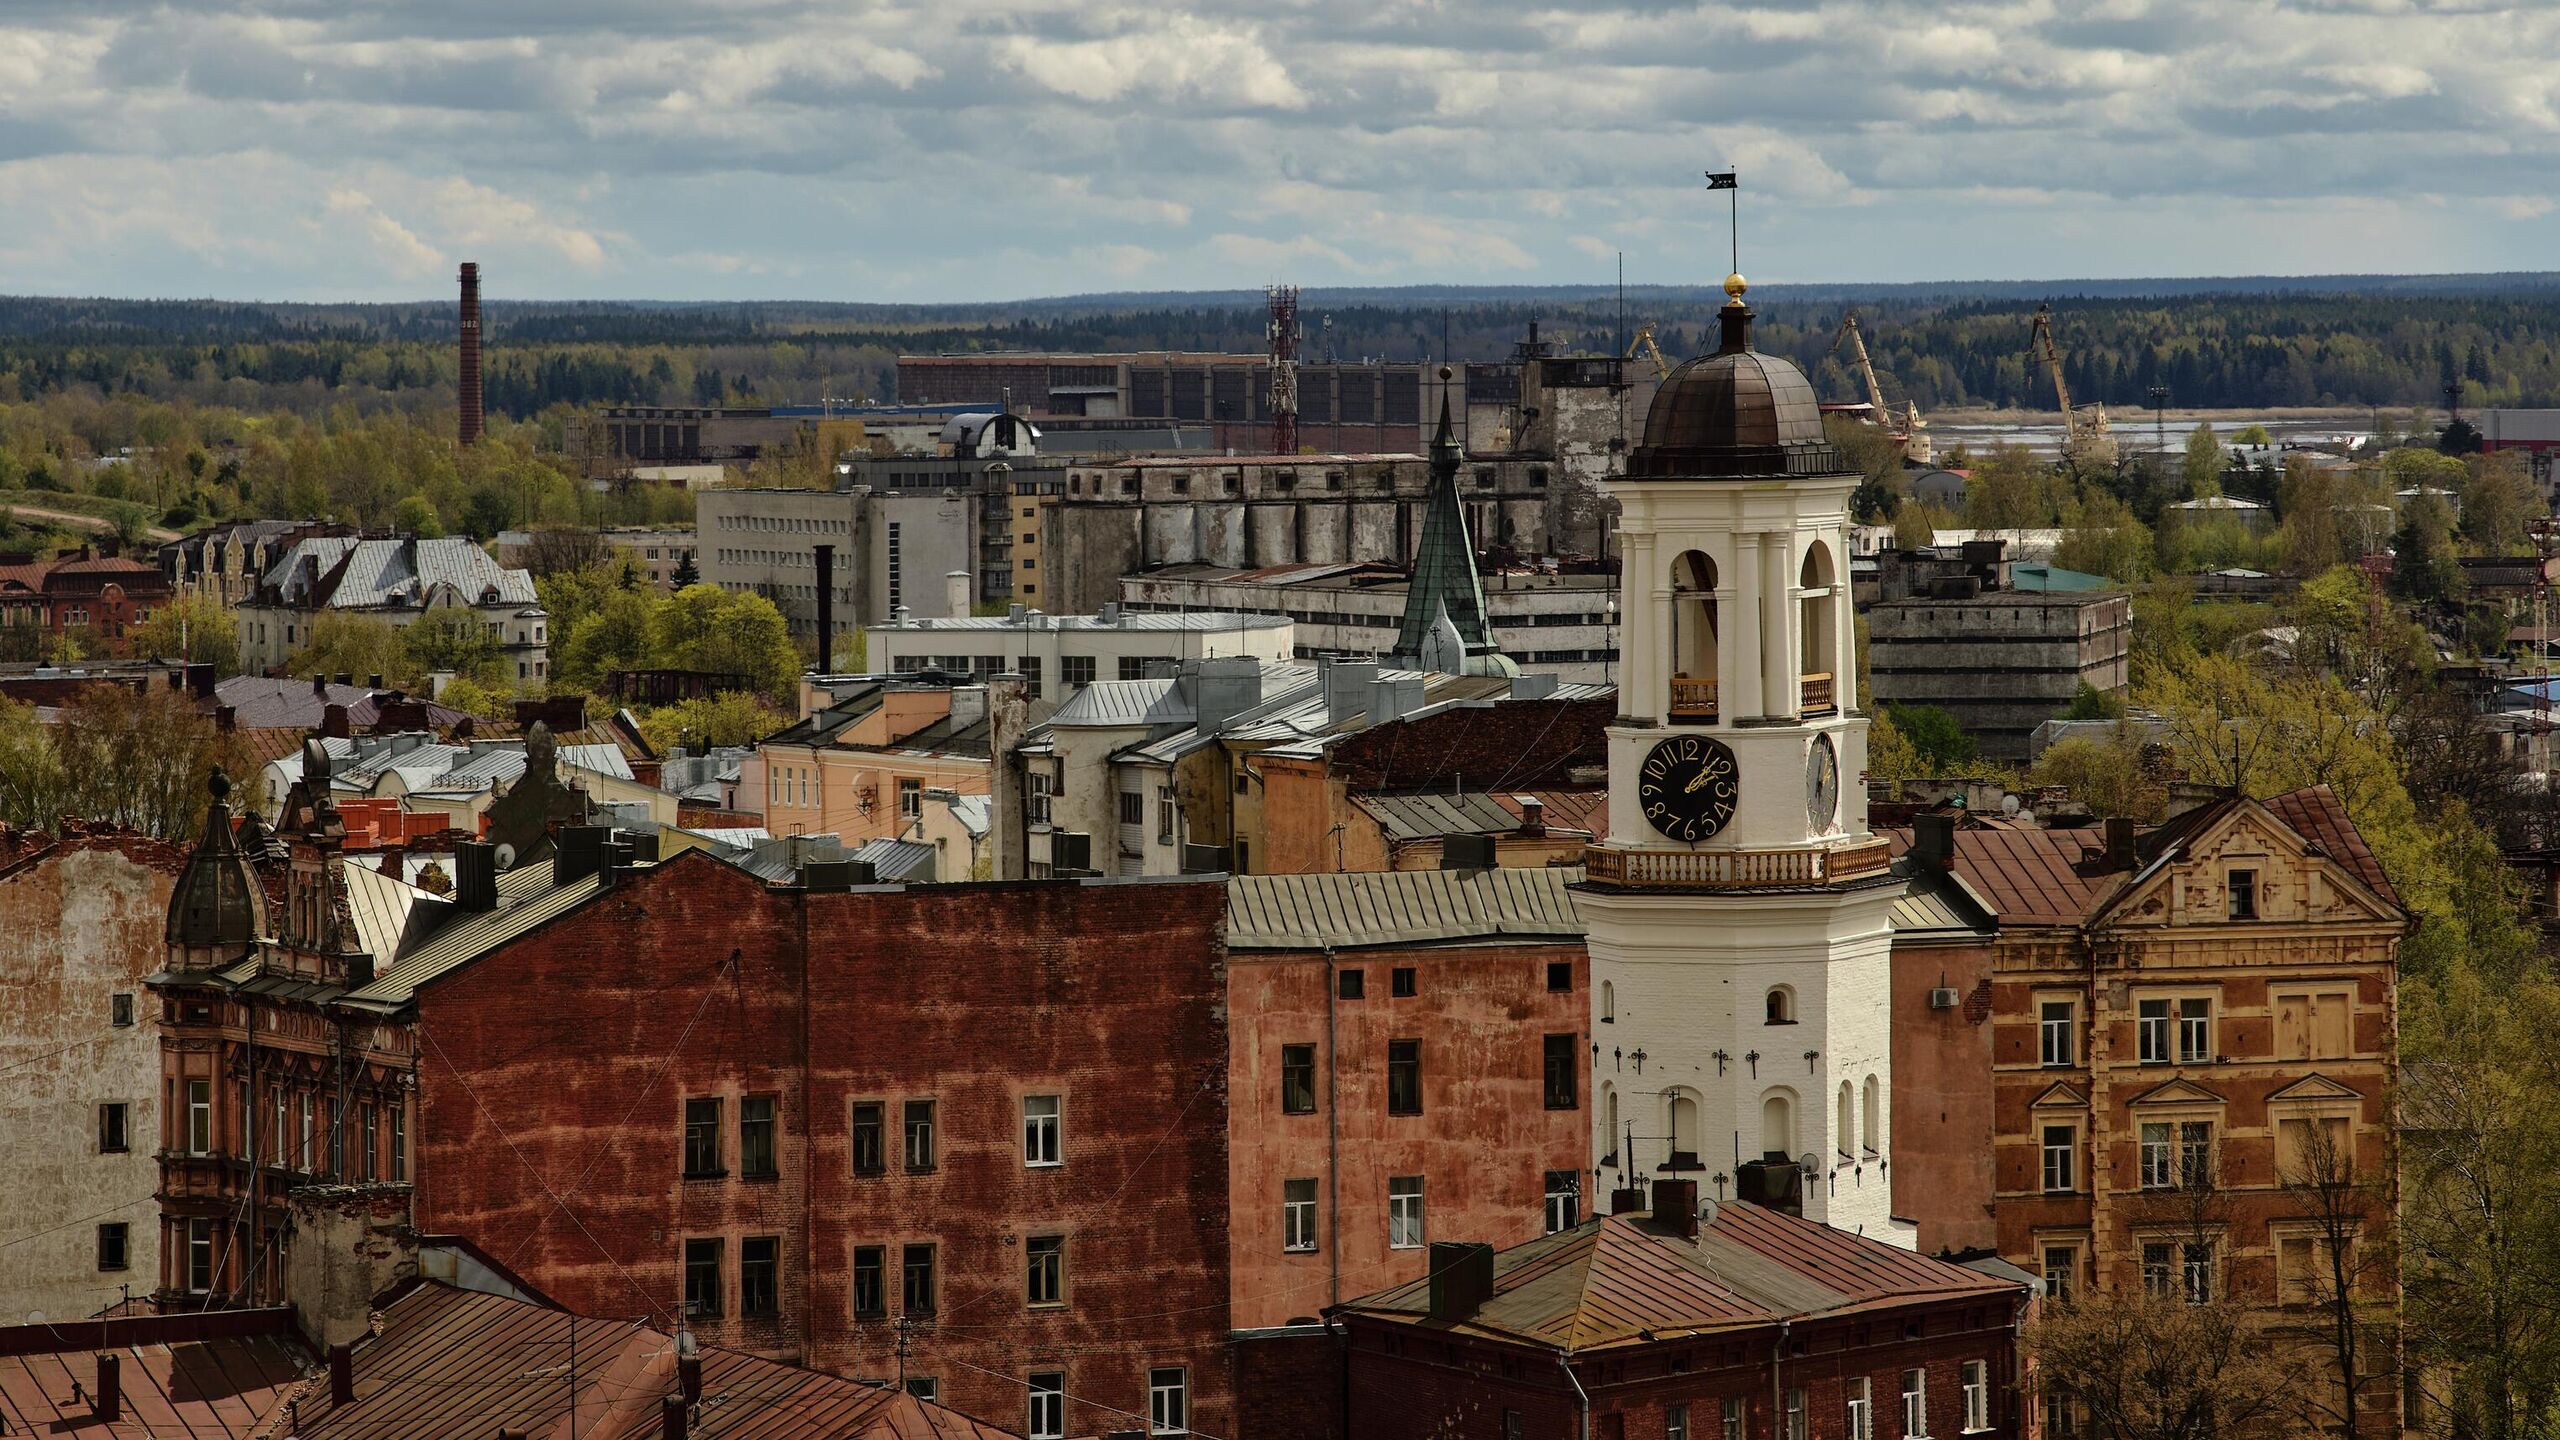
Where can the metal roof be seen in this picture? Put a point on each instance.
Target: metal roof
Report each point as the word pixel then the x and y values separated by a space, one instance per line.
pixel 357 573
pixel 456 1362
pixel 382 908
pixel 1420 817
pixel 224 1387
pixel 893 860
pixel 1625 1280
pixel 526 898
pixel 1398 907
pixel 1205 622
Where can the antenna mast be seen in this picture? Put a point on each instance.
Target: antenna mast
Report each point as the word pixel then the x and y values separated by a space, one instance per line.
pixel 1285 333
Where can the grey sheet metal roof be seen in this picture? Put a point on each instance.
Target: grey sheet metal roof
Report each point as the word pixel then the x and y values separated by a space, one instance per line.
pixel 893 860
pixel 603 759
pixel 1936 905
pixel 1398 907
pixel 1202 622
pixel 1420 817
pixel 398 572
pixel 381 908
pixel 526 898
pixel 1124 702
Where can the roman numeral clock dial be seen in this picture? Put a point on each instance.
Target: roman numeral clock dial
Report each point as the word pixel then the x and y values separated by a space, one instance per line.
pixel 1687 787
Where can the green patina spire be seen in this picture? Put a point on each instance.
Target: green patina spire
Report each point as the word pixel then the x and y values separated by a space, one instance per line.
pixel 1446 592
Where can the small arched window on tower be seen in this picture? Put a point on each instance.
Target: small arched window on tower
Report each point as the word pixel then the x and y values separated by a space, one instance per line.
pixel 1778 1126
pixel 1693 638
pixel 1817 605
pixel 1875 1115
pixel 1781 1005
pixel 1684 1129
pixel 1608 1003
pixel 1609 1136
pixel 1846 1136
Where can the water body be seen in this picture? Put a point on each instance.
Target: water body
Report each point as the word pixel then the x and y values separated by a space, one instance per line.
pixel 2134 434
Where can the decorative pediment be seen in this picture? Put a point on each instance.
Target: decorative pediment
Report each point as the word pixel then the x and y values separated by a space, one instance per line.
pixel 2315 1087
pixel 2298 881
pixel 2177 1092
pixel 2062 1095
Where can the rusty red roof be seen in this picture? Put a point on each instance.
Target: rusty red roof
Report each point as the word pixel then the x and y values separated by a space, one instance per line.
pixel 2027 877
pixel 455 1363
pixel 2317 815
pixel 1624 1279
pixel 202 1376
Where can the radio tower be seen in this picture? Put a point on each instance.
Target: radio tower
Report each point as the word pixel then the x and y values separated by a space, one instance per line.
pixel 1285 335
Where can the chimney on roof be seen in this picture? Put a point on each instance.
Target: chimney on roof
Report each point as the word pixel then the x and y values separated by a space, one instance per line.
pixel 2119 852
pixel 689 1376
pixel 346 679
pixel 200 680
pixel 1226 687
pixel 469 431
pixel 955 594
pixel 1461 1278
pixel 1625 1200
pixel 577 852
pixel 1393 697
pixel 671 1418
pixel 226 717
pixel 824 557
pixel 109 1404
pixel 1675 1207
pixel 1933 840
pixel 342 1374
pixel 1533 815
pixel 1346 689
pixel 320 684
pixel 373 682
pixel 333 722
pixel 475 875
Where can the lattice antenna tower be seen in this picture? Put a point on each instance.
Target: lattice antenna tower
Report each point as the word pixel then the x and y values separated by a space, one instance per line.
pixel 1285 333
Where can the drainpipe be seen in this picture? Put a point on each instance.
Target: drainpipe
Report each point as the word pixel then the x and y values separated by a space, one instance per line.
pixel 1580 1395
pixel 1332 1133
pixel 1778 1384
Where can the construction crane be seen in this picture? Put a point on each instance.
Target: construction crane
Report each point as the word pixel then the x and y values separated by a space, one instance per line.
pixel 1915 444
pixel 1645 343
pixel 2086 441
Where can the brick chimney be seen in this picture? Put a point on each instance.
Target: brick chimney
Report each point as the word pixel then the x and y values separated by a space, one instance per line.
pixel 469 433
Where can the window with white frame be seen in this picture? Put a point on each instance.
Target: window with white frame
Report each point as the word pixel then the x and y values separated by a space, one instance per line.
pixel 1168 1401
pixel 1795 1414
pixel 2195 1272
pixel 2061 1273
pixel 1040 1130
pixel 1862 1409
pixel 2061 1155
pixel 1729 1420
pixel 1048 1406
pixel 1035 805
pixel 2057 1031
pixel 199 1117
pixel 1915 1403
pixel 910 798
pixel 1564 1200
pixel 1977 1396
pixel 1404 1212
pixel 1297 1214
pixel 2151 1032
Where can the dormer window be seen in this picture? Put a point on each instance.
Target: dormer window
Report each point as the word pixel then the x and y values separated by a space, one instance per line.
pixel 2243 890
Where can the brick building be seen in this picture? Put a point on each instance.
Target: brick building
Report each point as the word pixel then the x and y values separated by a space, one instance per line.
pixel 80 918
pixel 1650 1323
pixel 106 597
pixel 2190 1036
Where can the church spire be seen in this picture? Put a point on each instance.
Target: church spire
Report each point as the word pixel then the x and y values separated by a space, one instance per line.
pixel 1445 590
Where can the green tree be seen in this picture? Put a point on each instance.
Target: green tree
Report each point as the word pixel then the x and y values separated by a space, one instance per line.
pixel 473 698
pixel 196 628
pixel 2203 466
pixel 2106 775
pixel 2253 436
pixel 357 645
pixel 703 627
pixel 2101 536
pixel 2423 566
pixel 454 640
pixel 732 717
pixel 1934 735
pixel 139 758
pixel 2013 490
pixel 2498 497
pixel 416 515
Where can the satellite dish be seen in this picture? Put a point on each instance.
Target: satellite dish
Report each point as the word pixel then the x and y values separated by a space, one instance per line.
pixel 1809 1163
pixel 1706 1212
pixel 506 857
pixel 2008 804
pixel 35 1317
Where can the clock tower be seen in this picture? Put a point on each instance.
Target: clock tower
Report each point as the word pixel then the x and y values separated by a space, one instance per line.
pixel 1740 914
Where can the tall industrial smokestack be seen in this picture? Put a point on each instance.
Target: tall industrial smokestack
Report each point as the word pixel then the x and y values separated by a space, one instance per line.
pixel 826 609
pixel 470 353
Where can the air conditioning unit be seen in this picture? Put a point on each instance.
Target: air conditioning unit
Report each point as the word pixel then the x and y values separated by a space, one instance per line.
pixel 1943 998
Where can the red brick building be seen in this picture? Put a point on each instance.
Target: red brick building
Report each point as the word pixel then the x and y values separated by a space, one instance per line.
pixel 1650 1324
pixel 2181 1049
pixel 1410 1061
pixel 101 595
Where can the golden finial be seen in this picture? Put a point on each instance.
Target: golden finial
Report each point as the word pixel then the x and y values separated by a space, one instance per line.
pixel 1734 285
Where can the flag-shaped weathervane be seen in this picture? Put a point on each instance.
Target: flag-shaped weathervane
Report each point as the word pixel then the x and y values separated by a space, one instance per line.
pixel 1728 180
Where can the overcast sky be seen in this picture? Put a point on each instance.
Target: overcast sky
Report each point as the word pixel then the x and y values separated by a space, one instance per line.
pixel 971 149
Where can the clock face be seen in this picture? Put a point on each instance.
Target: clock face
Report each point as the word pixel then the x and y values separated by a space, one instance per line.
pixel 1822 785
pixel 1687 787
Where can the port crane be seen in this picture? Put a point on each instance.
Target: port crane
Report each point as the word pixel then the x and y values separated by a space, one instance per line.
pixel 1906 426
pixel 1645 344
pixel 2086 441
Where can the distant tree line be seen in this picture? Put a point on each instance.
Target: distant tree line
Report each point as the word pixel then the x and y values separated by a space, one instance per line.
pixel 1942 348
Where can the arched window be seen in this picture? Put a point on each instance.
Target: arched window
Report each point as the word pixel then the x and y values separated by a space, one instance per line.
pixel 1875 1115
pixel 1778 1125
pixel 1816 635
pixel 1608 1003
pixel 1846 1138
pixel 1693 637
pixel 1609 1110
pixel 1684 1124
pixel 1781 1005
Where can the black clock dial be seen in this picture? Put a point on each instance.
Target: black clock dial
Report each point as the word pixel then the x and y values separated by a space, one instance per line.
pixel 1822 785
pixel 1687 787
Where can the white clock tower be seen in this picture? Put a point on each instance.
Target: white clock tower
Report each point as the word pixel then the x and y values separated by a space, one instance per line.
pixel 1740 914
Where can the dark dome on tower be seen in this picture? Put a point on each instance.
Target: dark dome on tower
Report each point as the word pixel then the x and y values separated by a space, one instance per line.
pixel 1736 412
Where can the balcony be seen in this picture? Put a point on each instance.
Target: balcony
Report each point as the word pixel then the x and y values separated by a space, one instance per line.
pixel 1735 869
pixel 1819 696
pixel 1692 699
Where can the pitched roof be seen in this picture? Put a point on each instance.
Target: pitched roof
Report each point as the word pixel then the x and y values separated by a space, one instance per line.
pixel 260 702
pixel 350 572
pixel 225 1386
pixel 1421 817
pixel 457 1363
pixel 2027 877
pixel 2317 816
pixel 1398 907
pixel 1625 1280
